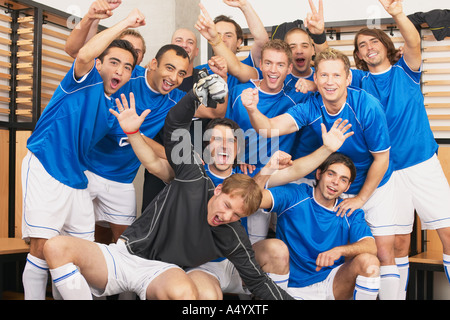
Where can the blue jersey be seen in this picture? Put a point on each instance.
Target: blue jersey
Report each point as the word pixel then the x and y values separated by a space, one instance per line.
pixel 289 86
pixel 308 229
pixel 303 135
pixel 113 157
pixel 258 149
pixel 75 119
pixel 369 125
pixel 232 81
pixel 399 92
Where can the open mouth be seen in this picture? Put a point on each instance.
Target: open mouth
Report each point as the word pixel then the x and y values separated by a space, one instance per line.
pixel 115 83
pixel 372 54
pixel 222 158
pixel 167 86
pixel 216 221
pixel 300 62
pixel 331 190
pixel 272 78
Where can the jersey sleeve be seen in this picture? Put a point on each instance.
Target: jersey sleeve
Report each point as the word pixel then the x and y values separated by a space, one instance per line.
pixel 283 197
pixel 306 112
pixel 359 228
pixel 357 76
pixel 69 83
pixel 233 241
pixel 413 75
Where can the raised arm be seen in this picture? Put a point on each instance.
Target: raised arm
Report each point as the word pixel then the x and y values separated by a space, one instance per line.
pixel 94 47
pixel 316 25
pixel 255 25
pixel 87 27
pixel 411 48
pixel 266 127
pixel 332 141
pixel 205 25
pixel 130 123
pixel 179 118
pixel 218 66
pixel 280 160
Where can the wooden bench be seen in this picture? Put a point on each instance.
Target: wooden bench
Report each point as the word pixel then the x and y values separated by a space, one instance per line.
pixel 421 267
pixel 11 250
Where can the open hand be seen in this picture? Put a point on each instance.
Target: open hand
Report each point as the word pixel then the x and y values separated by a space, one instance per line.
pixel 129 120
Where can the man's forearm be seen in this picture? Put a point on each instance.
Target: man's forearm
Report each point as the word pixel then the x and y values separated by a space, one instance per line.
pixel 82 33
pixel 149 159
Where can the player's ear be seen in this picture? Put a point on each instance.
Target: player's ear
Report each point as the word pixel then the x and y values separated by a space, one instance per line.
pixel 218 190
pixel 318 174
pixel 98 64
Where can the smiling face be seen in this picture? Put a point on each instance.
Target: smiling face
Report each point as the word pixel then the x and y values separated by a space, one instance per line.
pixel 302 52
pixel 225 208
pixel 373 52
pixel 115 68
pixel 332 81
pixel 275 66
pixel 223 149
pixel 331 184
pixel 169 73
pixel 187 40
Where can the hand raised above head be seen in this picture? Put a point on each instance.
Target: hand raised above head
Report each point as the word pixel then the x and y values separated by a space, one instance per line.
pixel 314 20
pixel 235 3
pixel 135 19
pixel 205 25
pixel 393 7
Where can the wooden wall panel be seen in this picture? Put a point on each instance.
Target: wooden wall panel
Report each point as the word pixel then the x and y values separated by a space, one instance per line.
pixel 4 184
pixel 21 152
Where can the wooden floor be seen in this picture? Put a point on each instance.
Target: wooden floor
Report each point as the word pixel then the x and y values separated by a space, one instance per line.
pixel 10 295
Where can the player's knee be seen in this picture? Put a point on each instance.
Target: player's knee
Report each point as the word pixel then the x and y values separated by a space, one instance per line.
pixel 185 290
pixel 56 251
pixel 368 265
pixel 277 256
pixel 210 294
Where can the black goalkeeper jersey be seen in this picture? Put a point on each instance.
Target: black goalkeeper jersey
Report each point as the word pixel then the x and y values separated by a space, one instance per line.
pixel 174 228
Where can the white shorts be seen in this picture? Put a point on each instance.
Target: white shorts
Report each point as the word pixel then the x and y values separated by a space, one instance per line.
pixel 425 188
pixel 258 225
pixel 128 272
pixel 225 272
pixel 380 210
pixel 114 202
pixel 318 291
pixel 51 208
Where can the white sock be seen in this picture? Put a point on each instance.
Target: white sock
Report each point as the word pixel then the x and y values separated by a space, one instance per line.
pixel 34 278
pixel 70 283
pixel 366 288
pixel 446 258
pixel 389 282
pixel 280 279
pixel 55 293
pixel 403 269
